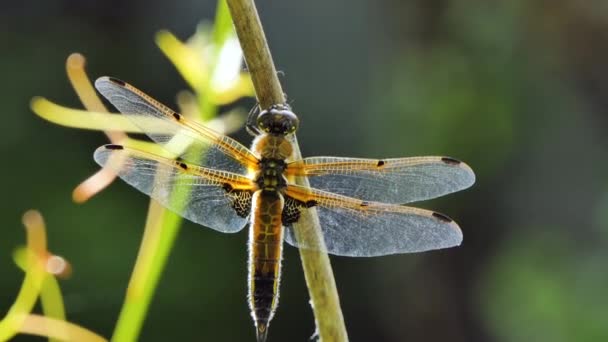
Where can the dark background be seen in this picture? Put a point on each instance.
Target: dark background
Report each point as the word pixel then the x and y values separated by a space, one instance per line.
pixel 517 89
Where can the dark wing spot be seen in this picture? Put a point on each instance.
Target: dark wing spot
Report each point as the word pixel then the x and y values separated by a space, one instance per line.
pixel 177 116
pixel 114 147
pixel 311 203
pixel 442 217
pixel 291 211
pixel 117 81
pixel 241 202
pixel 380 163
pixel 450 161
pixel 227 187
pixel 183 166
pixel 364 204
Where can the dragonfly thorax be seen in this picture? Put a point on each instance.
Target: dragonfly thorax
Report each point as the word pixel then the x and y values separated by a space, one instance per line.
pixel 270 177
pixel 272 147
pixel 273 151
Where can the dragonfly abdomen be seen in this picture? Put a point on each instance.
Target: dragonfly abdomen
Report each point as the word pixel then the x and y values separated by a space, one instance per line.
pixel 265 254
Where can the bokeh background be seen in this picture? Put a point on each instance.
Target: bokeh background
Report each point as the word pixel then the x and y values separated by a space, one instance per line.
pixel 517 89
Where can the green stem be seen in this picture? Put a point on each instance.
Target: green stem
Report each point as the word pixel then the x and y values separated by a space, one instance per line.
pixel 52 300
pixel 26 299
pixel 161 231
pixel 159 238
pixel 317 268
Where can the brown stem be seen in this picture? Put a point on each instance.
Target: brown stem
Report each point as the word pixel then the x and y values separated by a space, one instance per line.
pixel 256 51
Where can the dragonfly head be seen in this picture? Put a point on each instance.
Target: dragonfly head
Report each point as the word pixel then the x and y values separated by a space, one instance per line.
pixel 278 120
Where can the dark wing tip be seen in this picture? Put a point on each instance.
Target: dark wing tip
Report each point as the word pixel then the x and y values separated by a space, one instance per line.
pixel 116 81
pixel 455 237
pixel 442 217
pixel 451 161
pixel 463 166
pixel 107 79
pixel 113 147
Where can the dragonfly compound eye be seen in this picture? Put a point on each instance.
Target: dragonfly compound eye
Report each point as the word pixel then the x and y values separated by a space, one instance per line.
pixel 278 120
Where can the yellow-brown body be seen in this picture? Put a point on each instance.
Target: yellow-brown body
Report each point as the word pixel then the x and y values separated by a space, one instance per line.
pixel 266 229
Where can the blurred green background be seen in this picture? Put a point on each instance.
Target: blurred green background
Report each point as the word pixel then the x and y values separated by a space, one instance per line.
pixel 517 89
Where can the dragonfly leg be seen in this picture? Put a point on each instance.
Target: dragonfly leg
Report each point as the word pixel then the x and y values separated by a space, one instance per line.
pixel 252 125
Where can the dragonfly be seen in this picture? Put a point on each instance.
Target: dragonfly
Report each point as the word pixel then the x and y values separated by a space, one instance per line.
pixel 213 180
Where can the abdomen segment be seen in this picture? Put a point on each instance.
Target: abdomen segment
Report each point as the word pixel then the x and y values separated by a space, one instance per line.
pixel 265 254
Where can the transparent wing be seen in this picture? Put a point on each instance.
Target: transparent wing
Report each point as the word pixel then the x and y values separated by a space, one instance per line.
pixel 353 227
pixel 398 180
pixel 216 199
pixel 182 137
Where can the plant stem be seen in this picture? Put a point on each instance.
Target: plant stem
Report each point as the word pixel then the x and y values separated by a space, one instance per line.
pixel 162 228
pixel 257 54
pixel 317 268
